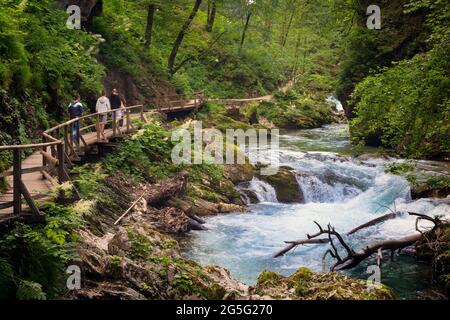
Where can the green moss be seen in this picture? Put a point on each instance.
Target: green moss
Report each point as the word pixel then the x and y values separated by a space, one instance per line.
pixel 286 185
pixel 269 278
pixel 313 286
pixel 141 246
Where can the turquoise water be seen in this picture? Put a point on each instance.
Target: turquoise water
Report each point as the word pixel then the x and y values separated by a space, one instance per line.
pixel 340 190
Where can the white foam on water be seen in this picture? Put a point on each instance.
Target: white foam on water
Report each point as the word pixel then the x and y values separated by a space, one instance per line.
pixel 338 190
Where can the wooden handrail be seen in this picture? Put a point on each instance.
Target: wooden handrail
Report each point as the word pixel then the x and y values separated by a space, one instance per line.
pixel 61 146
pixel 30 146
pixel 91 115
pixel 182 94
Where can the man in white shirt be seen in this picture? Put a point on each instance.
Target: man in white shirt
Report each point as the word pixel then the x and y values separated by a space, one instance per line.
pixel 103 105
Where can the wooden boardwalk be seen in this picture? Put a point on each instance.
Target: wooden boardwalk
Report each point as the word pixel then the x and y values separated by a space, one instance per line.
pixel 38 186
pixel 33 178
pixel 38 183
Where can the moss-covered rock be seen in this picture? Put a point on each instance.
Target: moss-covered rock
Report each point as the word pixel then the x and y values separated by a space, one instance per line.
pixel 286 185
pixel 239 172
pixel 307 285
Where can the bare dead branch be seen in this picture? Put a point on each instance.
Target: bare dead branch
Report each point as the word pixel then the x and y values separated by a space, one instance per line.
pixel 376 221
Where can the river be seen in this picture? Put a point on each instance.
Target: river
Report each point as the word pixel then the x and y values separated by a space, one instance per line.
pixel 338 189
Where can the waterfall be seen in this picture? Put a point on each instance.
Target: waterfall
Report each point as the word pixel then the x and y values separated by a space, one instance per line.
pixel 263 191
pixel 337 103
pixel 315 190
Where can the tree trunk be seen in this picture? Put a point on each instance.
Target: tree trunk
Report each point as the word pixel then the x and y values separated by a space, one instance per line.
pixel 288 29
pixel 212 8
pixel 247 21
pixel 181 34
pixel 148 30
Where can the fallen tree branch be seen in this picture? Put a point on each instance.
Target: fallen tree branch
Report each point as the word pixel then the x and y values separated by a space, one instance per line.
pixel 396 244
pixel 293 244
pixel 355 258
pixel 376 221
pixel 129 209
pixel 420 216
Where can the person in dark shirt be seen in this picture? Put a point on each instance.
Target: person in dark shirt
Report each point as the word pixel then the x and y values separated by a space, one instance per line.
pixel 75 110
pixel 117 103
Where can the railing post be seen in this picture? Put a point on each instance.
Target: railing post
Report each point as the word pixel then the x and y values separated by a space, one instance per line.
pixel 66 139
pixel 17 178
pixel 127 112
pixel 97 127
pixel 60 151
pixel 142 113
pixel 114 123
pixel 71 135
pixel 44 161
pixel 78 134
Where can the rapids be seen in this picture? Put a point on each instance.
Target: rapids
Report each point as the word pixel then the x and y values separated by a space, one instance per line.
pixel 340 190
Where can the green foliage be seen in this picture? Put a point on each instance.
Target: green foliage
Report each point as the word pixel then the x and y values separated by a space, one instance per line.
pixel 294 110
pixel 140 244
pixel 406 107
pixel 400 168
pixel 397 78
pixel 41 64
pixel 32 258
pixel 30 291
pixel 146 155
pixel 183 283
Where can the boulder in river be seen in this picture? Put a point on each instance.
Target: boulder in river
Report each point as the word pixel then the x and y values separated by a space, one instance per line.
pixel 286 185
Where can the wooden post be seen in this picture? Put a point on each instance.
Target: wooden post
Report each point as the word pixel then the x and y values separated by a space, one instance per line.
pixel 29 199
pixel 128 119
pixel 114 123
pixel 78 134
pixel 61 176
pixel 70 129
pixel 97 127
pixel 142 113
pixel 17 178
pixel 44 162
pixel 66 139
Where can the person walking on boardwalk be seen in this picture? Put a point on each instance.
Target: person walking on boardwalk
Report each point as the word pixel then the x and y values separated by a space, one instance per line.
pixel 116 104
pixel 75 110
pixel 103 105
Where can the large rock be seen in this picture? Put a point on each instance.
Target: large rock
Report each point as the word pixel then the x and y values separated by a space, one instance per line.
pixel 239 172
pixel 307 285
pixel 286 185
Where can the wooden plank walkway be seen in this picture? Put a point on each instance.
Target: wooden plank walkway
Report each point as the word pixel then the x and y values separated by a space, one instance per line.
pixel 35 182
pixel 57 153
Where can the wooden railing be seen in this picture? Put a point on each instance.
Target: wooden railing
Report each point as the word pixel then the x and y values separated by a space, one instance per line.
pixel 19 188
pixel 59 149
pixel 179 102
pixel 89 124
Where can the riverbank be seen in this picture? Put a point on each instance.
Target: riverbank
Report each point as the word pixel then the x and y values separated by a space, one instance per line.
pixel 141 257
